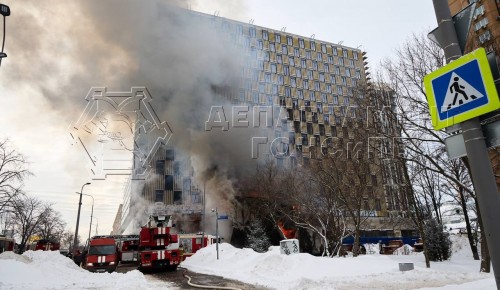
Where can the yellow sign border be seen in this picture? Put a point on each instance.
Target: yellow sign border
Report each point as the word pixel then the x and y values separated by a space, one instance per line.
pixel 489 85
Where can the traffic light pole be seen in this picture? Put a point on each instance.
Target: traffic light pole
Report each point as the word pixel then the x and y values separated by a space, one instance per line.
pixel 477 153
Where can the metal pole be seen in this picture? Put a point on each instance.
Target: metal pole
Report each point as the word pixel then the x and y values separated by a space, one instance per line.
pixel 203 217
pixel 91 215
pixel 217 232
pixel 477 154
pixel 75 240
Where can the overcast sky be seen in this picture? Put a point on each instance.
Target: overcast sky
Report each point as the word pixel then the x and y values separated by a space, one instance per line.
pixel 29 117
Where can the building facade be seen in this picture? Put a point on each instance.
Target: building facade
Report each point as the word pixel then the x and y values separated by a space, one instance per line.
pixel 311 86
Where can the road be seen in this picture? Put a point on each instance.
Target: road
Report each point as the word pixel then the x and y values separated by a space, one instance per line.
pixel 180 281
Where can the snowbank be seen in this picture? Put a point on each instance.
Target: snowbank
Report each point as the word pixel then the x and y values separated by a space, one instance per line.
pixel 51 270
pixel 303 271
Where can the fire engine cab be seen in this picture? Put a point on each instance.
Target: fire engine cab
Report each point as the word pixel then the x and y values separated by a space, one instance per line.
pixel 101 254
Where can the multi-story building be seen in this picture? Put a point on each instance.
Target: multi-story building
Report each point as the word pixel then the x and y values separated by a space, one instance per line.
pixel 485 28
pixel 310 84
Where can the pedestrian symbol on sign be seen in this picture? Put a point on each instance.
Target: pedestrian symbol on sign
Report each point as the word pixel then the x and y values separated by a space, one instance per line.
pixel 460 92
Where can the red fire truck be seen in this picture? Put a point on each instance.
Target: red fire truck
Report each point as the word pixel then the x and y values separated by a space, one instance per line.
pixel 191 243
pixel 101 254
pixel 158 244
pixel 128 248
pixel 6 244
pixel 43 245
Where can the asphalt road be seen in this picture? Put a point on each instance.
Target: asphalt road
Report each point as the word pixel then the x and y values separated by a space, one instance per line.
pixel 180 281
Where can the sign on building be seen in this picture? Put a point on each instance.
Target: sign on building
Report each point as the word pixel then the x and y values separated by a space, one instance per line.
pixel 461 90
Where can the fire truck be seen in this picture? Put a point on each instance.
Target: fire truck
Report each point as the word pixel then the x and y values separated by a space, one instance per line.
pixel 158 244
pixel 101 254
pixel 43 245
pixel 191 243
pixel 6 244
pixel 128 248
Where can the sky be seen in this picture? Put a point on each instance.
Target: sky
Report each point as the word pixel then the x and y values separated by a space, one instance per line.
pixel 43 80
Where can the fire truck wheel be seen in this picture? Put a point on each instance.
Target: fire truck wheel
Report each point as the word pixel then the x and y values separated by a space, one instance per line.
pixel 172 268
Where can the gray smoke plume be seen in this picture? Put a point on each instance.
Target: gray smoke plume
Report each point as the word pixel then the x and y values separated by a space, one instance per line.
pixel 61 49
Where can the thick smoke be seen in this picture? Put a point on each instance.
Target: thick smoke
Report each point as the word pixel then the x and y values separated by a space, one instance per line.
pixel 63 48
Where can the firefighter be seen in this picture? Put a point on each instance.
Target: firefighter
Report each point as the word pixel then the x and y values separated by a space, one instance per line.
pixel 78 257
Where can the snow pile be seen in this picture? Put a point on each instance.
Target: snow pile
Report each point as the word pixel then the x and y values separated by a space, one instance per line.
pixel 51 270
pixel 303 271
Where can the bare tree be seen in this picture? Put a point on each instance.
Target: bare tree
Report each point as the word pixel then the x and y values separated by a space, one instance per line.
pixel 13 171
pixel 51 226
pixel 29 213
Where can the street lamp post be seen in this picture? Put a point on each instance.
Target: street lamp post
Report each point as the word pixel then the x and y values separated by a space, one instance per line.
pixel 216 231
pixel 203 217
pixel 91 213
pixel 75 241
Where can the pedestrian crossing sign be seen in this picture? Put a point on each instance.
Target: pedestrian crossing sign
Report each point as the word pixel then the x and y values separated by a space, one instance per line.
pixel 461 90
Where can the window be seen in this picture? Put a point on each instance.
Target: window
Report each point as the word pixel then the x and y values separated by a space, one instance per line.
pixel 288 92
pixel 478 11
pixel 169 182
pixel 298 72
pixel 344 81
pixel 293 82
pixel 169 154
pixel 334 50
pixel 260 44
pixel 281 80
pixel 485 36
pixel 304 139
pixel 177 197
pixel 332 79
pixel 275 89
pixel 272 47
pixel 296 52
pixel 481 24
pixel 274 68
pixel 310 74
pixel 301 43
pixel 308 54
pixel 255 97
pixel 279 59
pixel 322 77
pixel 291 61
pixel 265 35
pixel 319 56
pixel 344 52
pixel 267 78
pixel 324 98
pixel 355 55
pixel 347 72
pixel 337 70
pixel 377 204
pixel 351 63
pixel 339 90
pixel 242 95
pixel 323 48
pixel 315 65
pixel 286 70
pixel 277 38
pixel 284 49
pixel 300 94
pixel 341 61
pixel 305 84
pixel 319 107
pixel 313 45
pixel 312 96
pixel 252 32
pixel 374 180
pixel 262 87
pixel 330 59
pixel 316 86
pixel 269 99
pixel 327 67
pixel 303 63
pixel 346 101
pixel 267 56
pixel 239 29
pixel 358 74
pixel 335 100
pixel 289 40
pixel 328 88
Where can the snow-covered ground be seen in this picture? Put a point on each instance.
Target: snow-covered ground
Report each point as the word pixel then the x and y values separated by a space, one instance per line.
pixel 50 270
pixel 303 271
